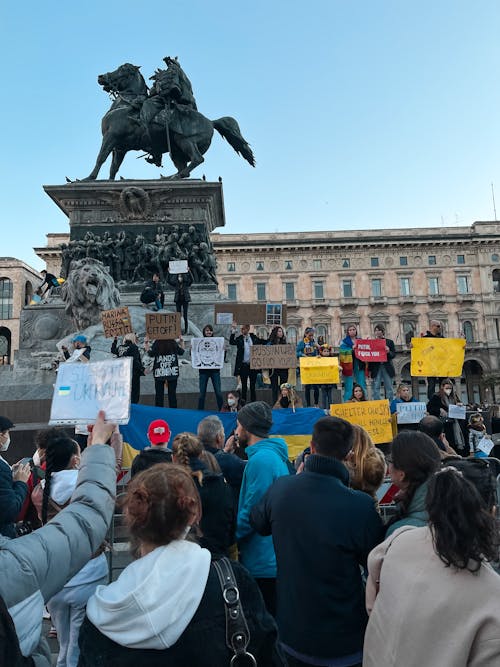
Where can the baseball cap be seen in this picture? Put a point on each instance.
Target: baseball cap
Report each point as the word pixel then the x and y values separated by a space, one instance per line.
pixel 158 432
pixel 79 339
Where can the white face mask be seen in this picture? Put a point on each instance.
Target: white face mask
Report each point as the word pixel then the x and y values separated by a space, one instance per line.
pixel 4 446
pixel 36 459
pixel 448 391
pixel 231 401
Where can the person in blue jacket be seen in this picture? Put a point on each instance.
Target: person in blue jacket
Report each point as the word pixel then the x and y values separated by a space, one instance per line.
pixel 267 460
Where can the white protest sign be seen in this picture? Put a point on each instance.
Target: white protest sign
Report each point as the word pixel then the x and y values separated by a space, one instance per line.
pixel 75 356
pixel 178 266
pixel 81 390
pixel 485 445
pixel 456 411
pixel 224 318
pixel 207 353
pixel 410 413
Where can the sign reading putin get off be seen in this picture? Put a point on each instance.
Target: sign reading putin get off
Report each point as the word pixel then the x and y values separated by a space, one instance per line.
pixel 373 416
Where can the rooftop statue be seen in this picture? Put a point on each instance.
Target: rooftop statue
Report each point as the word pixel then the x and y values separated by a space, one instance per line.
pixel 161 119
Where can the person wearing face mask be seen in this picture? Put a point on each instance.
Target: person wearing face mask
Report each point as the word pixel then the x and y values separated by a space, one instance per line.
pixel 454 429
pixel 234 402
pixel 13 483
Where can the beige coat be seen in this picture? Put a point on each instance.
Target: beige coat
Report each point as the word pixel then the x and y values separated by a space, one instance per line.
pixel 424 614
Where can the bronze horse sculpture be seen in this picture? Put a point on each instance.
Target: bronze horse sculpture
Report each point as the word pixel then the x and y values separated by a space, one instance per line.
pixel 174 127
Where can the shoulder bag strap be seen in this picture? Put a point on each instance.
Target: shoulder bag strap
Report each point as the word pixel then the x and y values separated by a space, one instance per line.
pixel 237 632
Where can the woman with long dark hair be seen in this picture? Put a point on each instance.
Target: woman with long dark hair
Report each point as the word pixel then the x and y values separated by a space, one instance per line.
pixel 455 430
pixel 413 460
pixel 167 608
pixel 165 368
pixel 277 375
pixel 431 592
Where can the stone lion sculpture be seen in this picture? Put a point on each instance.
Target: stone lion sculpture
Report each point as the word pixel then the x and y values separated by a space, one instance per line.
pixel 88 290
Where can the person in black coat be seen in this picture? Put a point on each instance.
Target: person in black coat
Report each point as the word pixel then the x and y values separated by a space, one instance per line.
pixel 383 371
pixel 181 282
pixel 455 430
pixel 165 368
pixel 435 330
pixel 128 348
pixel 153 292
pixel 13 483
pixel 322 532
pixel 242 368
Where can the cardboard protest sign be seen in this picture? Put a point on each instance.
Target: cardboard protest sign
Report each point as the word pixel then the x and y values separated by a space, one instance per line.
pixel 207 353
pixel 411 413
pixel 437 357
pixel 116 322
pixel 251 313
pixel 319 370
pixel 373 416
pixel 178 266
pixel 371 349
pixel 456 411
pixel 273 356
pixel 163 326
pixel 81 390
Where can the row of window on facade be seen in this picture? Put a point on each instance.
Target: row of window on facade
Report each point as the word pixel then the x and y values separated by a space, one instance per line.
pixel 7 298
pixel 345 263
pixel 464 286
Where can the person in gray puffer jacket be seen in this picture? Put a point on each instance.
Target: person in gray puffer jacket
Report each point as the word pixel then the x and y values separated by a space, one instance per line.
pixel 35 567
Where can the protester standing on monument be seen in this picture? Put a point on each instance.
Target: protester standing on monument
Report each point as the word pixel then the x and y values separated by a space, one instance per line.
pixel 13 483
pixel 242 368
pixel 383 371
pixel 165 355
pixel 278 375
pixel 308 347
pixel 455 429
pixel 129 348
pixel 181 282
pixel 50 280
pixel 435 330
pixel 353 370
pixel 322 532
pixel 206 374
pixel 153 292
pixel 267 460
pixel 326 350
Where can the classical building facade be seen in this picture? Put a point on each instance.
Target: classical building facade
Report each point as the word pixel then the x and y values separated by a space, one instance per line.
pixel 18 282
pixel 401 278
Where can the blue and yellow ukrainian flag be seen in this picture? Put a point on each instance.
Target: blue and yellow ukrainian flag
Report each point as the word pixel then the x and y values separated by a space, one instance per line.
pixel 294 427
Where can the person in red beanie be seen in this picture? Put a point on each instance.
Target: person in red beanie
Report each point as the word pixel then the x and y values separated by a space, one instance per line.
pixel 158 451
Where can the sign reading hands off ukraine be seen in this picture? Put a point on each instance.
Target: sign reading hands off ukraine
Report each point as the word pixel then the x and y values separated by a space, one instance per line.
pixel 437 357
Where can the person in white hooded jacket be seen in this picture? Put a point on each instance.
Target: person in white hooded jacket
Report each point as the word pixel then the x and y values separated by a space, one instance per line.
pixel 166 608
pixel 36 566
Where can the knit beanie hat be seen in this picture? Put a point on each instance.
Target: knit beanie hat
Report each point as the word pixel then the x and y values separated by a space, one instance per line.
pixel 256 418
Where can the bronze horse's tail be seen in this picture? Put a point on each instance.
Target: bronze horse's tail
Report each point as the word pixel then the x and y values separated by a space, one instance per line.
pixel 229 129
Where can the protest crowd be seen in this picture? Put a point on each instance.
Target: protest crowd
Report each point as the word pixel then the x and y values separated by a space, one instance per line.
pixel 376 544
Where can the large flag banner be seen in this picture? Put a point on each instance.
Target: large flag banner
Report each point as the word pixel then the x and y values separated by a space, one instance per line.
pixel 319 370
pixel 371 349
pixel 294 427
pixel 207 353
pixel 81 390
pixel 437 357
pixel 373 416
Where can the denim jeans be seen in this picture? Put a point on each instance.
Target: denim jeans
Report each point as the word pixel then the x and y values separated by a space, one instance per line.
pixel 359 378
pixel 203 384
pixel 382 376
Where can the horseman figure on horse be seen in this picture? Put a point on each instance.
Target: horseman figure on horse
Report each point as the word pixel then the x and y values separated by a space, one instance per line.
pixel 163 119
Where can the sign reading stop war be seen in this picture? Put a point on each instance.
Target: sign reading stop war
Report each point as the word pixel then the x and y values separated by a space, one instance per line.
pixel 163 326
pixel 371 349
pixel 273 356
pixel 116 322
pixel 437 357
pixel 373 416
pixel 319 370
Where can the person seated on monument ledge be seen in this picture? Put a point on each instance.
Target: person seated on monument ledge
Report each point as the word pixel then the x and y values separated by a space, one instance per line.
pixel 153 292
pixel 79 343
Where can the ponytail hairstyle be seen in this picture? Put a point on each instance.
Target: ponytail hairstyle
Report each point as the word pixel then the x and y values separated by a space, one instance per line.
pixel 463 529
pixel 187 447
pixel 160 505
pixel 60 449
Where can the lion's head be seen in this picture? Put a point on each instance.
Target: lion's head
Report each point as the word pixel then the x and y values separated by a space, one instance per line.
pixel 88 290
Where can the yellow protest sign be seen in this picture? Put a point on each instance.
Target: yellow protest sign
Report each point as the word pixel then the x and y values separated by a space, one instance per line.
pixel 319 370
pixel 373 416
pixel 437 357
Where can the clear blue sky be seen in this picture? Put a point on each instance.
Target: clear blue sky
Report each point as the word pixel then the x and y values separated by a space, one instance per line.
pixel 361 113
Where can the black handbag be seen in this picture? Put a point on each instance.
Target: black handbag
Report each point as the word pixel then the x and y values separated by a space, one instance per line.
pixel 237 632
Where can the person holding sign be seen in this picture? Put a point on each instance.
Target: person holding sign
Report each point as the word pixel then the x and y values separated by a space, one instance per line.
pixel 81 350
pixel 477 432
pixel 454 429
pixel 326 350
pixel 383 371
pixel 181 282
pixel 353 370
pixel 278 375
pixel 128 348
pixel 435 330
pixel 165 368
pixel 242 368
pixel 308 347
pixel 206 374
